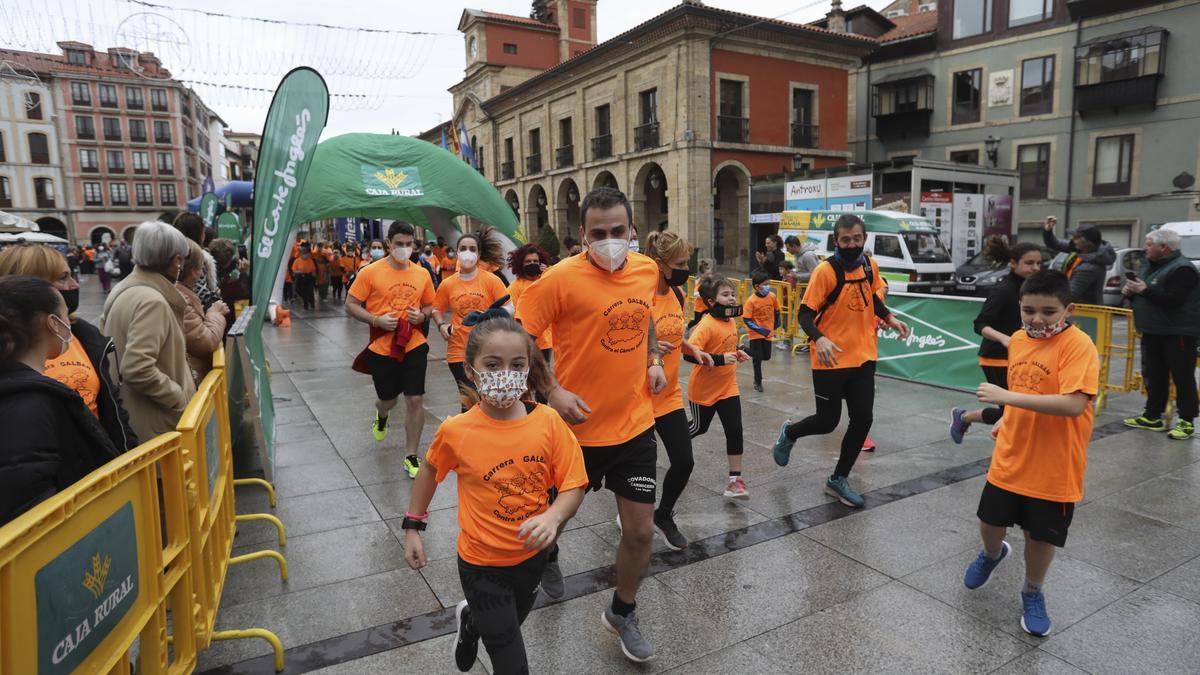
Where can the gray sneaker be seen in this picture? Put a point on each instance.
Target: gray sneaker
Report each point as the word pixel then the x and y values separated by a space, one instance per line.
pixel 633 643
pixel 552 581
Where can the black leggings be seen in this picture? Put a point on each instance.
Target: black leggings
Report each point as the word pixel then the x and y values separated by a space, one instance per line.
pixel 336 284
pixel 499 599
pixel 997 375
pixel 1166 358
pixel 304 289
pixel 760 350
pixel 730 411
pixel 857 386
pixel 673 431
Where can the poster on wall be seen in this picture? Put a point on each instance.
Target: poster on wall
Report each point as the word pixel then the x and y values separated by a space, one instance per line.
pixel 1000 88
pixel 805 195
pixel 997 218
pixel 937 206
pixel 849 193
pixel 967 235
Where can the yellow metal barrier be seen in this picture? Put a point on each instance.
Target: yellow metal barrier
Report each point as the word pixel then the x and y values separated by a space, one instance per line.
pixel 219 364
pixel 98 578
pixel 1113 346
pixel 208 453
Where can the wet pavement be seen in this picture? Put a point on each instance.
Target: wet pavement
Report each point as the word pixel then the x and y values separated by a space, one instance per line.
pixel 789 581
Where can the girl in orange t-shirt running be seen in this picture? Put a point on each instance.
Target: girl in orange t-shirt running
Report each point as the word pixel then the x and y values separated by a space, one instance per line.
pixel 713 390
pixel 515 491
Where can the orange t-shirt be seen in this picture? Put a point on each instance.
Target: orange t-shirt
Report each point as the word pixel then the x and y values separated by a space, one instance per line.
pixel 75 370
pixel 460 297
pixel 601 321
pixel 984 361
pixel 668 326
pixel 709 384
pixel 439 251
pixel 449 264
pixel 349 264
pixel 302 266
pixel 505 481
pixel 335 268
pixel 761 310
pixel 1038 455
pixel 850 321
pixel 385 290
pixel 515 289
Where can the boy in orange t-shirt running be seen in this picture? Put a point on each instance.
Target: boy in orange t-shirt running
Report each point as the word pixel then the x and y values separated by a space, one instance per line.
pixel 1037 468
pixel 761 317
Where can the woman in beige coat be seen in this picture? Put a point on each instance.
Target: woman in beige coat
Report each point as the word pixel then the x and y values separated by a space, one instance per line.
pixel 202 331
pixel 144 316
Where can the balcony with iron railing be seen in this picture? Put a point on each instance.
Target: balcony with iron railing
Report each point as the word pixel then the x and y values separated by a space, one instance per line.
pixel 733 129
pixel 533 164
pixel 506 170
pixel 645 136
pixel 564 157
pixel 602 146
pixel 804 135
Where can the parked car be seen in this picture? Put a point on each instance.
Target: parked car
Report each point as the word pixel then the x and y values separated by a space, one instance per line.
pixel 1128 260
pixel 977 276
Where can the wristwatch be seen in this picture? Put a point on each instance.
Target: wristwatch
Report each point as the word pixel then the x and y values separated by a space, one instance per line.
pixel 656 361
pixel 413 524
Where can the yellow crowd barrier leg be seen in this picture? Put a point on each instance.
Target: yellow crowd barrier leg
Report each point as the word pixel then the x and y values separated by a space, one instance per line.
pixel 258 555
pixel 246 517
pixel 261 483
pixel 255 633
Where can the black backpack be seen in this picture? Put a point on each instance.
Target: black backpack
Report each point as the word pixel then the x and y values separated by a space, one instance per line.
pixel 840 273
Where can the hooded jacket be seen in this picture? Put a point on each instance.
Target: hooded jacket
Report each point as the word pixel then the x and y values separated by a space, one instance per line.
pixel 1088 275
pixel 51 439
pixel 110 408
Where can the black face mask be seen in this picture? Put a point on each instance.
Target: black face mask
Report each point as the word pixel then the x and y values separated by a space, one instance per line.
pixel 851 257
pixel 72 299
pixel 678 277
pixel 725 311
pixel 531 269
pixel 415 257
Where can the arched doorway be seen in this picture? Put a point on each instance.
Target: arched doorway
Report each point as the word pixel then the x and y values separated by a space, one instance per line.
pixel 55 227
pixel 605 179
pixel 102 235
pixel 649 200
pixel 731 208
pixel 514 203
pixel 537 210
pixel 566 209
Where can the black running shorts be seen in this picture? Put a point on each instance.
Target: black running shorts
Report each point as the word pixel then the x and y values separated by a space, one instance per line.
pixel 393 377
pixel 628 469
pixel 1044 520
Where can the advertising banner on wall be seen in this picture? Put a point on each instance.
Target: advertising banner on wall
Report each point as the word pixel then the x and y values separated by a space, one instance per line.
pixel 805 195
pixel 997 216
pixel 849 193
pixel 967 237
pixel 938 206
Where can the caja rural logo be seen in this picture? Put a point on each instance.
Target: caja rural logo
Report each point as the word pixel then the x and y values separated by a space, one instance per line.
pixel 392 182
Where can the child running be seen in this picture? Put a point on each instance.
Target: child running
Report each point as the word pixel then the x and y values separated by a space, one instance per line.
pixel 470 290
pixel 508 453
pixel 762 318
pixel 304 272
pixel 1036 475
pixel 713 390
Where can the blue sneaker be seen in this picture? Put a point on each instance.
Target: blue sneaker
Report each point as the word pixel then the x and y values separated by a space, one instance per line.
pixel 783 445
pixel 979 572
pixel 838 486
pixel 958 428
pixel 1035 621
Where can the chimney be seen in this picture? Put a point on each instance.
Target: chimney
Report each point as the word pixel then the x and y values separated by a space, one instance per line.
pixel 836 18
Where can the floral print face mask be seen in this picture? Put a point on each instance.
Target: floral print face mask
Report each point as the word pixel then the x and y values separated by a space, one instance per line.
pixel 502 388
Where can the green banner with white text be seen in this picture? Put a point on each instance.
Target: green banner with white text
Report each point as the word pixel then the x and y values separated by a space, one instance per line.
pixel 294 123
pixel 942 347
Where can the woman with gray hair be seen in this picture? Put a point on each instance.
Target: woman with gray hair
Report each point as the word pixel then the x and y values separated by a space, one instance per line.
pixel 144 317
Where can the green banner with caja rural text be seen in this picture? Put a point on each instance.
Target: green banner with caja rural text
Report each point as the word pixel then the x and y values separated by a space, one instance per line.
pixel 941 348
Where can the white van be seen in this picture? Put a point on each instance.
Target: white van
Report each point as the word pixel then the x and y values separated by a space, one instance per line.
pixel 907 248
pixel 1189 230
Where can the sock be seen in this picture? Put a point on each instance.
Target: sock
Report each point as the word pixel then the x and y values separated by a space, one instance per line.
pixel 621 608
pixel 734 474
pixel 999 550
pixel 382 420
pixel 1031 587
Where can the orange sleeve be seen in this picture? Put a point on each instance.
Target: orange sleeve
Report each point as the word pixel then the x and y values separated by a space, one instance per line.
pixel 568 469
pixel 441 299
pixel 701 337
pixel 361 288
pixel 498 289
pixel 1079 367
pixel 821 282
pixel 441 455
pixel 427 295
pixel 539 306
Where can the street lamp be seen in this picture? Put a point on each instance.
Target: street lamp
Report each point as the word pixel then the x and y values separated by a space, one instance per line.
pixel 655 182
pixel 572 194
pixel 992 144
pixel 541 200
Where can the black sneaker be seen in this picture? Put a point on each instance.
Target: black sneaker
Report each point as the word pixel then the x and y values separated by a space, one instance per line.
pixel 664 526
pixel 466 646
pixel 758 387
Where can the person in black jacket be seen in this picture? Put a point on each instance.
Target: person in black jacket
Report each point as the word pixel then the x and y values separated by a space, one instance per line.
pixel 997 321
pixel 86 367
pixel 1088 262
pixel 51 439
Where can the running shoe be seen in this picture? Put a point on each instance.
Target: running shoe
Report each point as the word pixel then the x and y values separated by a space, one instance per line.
pixel 635 645
pixel 466 647
pixel 552 581
pixel 1183 430
pixel 838 486
pixel 979 572
pixel 783 445
pixel 379 428
pixel 412 465
pixel 664 526
pixel 958 428
pixel 1035 620
pixel 736 488
pixel 868 445
pixel 1143 422
pixel 758 387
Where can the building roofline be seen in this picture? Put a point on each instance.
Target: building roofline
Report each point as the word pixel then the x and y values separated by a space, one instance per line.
pixel 511 19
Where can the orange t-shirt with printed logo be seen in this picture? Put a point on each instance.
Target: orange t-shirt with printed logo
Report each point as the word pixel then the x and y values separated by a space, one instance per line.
pixel 385 290
pixel 302 266
pixel 1038 455
pixel 75 370
pixel 669 323
pixel 709 384
pixel 850 321
pixel 505 481
pixel 601 322
pixel 515 289
pixel 459 297
pixel 761 310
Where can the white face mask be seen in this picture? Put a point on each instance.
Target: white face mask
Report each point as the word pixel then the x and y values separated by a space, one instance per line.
pixel 501 388
pixel 468 258
pixel 66 342
pixel 402 253
pixel 609 254
pixel 635 246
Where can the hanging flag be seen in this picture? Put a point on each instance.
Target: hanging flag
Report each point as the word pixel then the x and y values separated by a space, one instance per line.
pixel 468 150
pixel 208 184
pixel 444 146
pixel 455 147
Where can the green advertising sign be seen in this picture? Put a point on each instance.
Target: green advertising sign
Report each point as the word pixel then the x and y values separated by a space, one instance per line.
pixel 83 593
pixel 942 347
pixel 404 181
pixel 208 208
pixel 229 226
pixel 295 120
